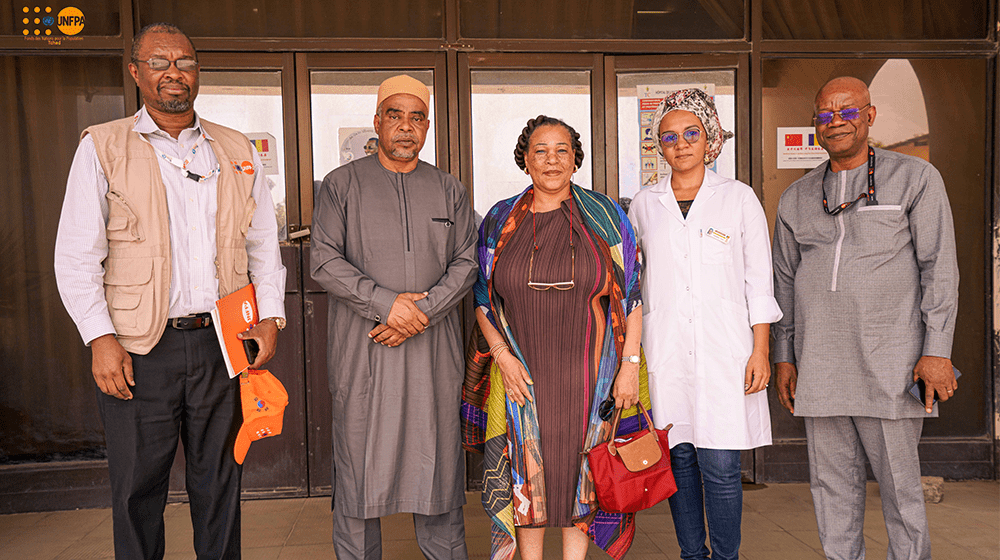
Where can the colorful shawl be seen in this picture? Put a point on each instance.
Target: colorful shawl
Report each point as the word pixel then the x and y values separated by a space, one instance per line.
pixel 507 434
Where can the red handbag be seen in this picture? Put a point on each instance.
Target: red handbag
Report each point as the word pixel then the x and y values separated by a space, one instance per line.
pixel 632 472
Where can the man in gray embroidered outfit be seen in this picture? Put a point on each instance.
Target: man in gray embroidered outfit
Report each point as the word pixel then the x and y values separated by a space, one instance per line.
pixel 866 275
pixel 393 244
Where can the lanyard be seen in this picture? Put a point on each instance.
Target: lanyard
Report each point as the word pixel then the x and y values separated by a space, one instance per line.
pixel 870 194
pixel 182 164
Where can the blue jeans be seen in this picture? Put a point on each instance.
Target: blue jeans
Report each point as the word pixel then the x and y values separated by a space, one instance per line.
pixel 723 501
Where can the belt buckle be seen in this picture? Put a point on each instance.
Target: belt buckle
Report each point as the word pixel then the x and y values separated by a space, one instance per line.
pixel 189 322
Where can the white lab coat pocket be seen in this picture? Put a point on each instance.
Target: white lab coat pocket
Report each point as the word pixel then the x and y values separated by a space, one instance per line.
pixel 717 245
pixel 737 323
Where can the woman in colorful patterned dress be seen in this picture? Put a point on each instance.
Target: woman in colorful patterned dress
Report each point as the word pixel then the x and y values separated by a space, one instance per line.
pixel 558 302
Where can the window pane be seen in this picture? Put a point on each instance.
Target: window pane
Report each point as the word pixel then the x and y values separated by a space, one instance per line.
pixel 308 18
pixel 47 403
pixel 639 163
pixel 603 19
pixel 343 108
pixel 502 103
pixel 917 114
pixel 41 21
pixel 250 102
pixel 891 19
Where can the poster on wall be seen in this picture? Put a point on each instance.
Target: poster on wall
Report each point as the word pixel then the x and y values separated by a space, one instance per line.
pixel 356 143
pixel 798 148
pixel 652 166
pixel 267 149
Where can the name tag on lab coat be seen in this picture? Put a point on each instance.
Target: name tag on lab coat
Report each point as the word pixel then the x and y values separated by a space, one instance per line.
pixel 717 235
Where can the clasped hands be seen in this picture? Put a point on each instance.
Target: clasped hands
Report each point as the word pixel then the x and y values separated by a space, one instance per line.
pixel 405 320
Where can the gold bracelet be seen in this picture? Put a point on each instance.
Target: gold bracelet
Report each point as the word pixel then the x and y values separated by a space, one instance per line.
pixel 498 347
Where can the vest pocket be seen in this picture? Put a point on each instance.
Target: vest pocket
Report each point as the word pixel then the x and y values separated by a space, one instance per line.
pixel 123 224
pixel 248 212
pixel 128 287
pixel 241 261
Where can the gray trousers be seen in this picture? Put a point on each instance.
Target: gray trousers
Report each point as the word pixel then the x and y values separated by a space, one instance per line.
pixel 838 447
pixel 440 537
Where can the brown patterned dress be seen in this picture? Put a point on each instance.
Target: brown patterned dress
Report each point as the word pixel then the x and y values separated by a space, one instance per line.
pixel 558 332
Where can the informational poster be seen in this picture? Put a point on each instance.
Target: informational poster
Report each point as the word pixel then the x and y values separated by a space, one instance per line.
pixel 651 165
pixel 267 149
pixel 798 148
pixel 356 143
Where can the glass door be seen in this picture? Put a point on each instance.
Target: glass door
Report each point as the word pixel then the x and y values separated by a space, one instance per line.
pixel 639 93
pixel 640 82
pixel 250 101
pixel 343 108
pixel 504 92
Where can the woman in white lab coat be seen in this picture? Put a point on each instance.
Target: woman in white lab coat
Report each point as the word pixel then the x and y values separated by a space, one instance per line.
pixel 708 305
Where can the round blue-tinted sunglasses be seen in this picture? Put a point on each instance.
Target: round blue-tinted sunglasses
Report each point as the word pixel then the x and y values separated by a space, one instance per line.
pixel 848 114
pixel 690 136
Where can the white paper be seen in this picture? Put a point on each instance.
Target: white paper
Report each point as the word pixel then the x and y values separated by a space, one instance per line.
pixel 267 150
pixel 798 148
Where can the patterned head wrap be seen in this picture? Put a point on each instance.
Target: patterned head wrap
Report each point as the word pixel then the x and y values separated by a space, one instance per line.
pixel 698 102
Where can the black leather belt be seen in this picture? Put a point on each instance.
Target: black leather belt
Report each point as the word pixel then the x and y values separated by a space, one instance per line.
pixel 198 321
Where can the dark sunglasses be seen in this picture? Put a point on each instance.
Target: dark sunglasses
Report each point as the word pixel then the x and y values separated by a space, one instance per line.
pixel 161 64
pixel 690 136
pixel 848 114
pixel 606 410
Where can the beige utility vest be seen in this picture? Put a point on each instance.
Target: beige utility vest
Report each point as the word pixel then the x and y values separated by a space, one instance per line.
pixel 137 268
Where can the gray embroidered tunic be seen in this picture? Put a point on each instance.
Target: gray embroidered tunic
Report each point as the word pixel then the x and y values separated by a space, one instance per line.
pixel 865 293
pixel 375 234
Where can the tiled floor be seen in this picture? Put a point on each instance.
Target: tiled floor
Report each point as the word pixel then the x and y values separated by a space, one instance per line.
pixel 778 524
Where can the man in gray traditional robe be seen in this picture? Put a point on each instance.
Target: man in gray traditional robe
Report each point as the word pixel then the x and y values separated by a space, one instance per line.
pixel 393 243
pixel 867 277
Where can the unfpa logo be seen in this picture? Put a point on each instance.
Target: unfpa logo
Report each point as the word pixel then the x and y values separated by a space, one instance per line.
pixel 71 20
pixel 41 21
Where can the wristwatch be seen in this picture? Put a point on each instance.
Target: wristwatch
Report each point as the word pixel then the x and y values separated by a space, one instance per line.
pixel 630 359
pixel 280 322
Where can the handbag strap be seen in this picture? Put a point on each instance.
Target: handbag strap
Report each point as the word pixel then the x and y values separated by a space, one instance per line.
pixel 618 416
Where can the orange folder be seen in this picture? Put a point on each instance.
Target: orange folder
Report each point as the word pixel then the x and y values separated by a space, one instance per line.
pixel 232 315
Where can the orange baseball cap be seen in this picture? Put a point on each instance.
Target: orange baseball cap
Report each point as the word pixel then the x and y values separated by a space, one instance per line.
pixel 264 400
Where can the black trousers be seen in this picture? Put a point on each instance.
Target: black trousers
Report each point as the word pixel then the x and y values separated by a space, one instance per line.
pixel 181 391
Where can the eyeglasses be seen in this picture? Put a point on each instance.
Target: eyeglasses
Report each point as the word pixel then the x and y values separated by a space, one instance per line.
pixel 161 64
pixel 690 136
pixel 542 286
pixel 849 114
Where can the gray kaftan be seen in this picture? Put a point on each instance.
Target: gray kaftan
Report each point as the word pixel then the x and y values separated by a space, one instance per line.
pixel 375 234
pixel 865 293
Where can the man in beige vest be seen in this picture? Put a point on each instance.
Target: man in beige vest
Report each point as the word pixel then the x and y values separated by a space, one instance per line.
pixel 164 214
